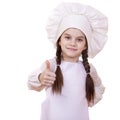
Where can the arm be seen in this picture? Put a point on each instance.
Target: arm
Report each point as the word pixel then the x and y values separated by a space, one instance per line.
pixel 99 87
pixel 43 77
pixel 34 82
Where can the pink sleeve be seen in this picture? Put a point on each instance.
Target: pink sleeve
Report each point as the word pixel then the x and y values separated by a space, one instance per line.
pixel 99 87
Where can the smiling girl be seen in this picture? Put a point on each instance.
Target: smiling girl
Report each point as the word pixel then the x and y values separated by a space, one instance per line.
pixel 71 84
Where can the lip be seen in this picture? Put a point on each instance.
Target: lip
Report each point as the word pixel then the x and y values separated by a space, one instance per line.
pixel 72 49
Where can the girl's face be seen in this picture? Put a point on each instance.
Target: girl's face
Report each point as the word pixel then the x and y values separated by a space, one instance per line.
pixel 72 43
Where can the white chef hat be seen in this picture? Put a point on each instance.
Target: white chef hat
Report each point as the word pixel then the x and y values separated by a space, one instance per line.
pixel 90 21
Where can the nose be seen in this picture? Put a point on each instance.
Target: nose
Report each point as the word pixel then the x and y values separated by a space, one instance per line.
pixel 73 42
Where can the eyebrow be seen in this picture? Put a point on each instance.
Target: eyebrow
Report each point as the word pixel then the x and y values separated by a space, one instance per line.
pixel 77 36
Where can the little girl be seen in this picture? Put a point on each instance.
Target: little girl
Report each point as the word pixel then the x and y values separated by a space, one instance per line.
pixel 71 84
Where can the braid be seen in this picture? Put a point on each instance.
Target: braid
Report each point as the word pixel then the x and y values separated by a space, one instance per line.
pixel 57 86
pixel 90 92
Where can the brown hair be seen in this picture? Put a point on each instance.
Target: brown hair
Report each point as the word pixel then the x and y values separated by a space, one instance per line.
pixel 90 91
pixel 57 86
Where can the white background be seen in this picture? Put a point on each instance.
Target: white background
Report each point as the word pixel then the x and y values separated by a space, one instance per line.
pixel 24 46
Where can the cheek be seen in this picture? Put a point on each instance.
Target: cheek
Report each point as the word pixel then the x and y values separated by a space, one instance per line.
pixel 84 47
pixel 62 43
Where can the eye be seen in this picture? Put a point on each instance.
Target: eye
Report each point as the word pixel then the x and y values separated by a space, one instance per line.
pixel 67 37
pixel 79 40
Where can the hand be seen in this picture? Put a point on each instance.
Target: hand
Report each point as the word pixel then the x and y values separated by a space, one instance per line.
pixel 47 78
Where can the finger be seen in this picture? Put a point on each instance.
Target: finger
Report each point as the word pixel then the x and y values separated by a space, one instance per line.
pixel 48 77
pixel 47 82
pixel 51 74
pixel 47 65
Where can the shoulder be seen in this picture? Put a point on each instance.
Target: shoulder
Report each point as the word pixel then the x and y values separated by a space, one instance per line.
pixel 93 70
pixel 52 60
pixel 53 64
pixel 92 67
pixel 94 74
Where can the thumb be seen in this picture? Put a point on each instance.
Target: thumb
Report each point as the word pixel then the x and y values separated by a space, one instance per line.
pixel 47 65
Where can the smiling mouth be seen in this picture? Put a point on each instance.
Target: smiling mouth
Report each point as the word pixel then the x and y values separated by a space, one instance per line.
pixel 72 49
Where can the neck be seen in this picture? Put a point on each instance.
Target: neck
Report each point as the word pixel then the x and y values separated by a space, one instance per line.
pixel 70 59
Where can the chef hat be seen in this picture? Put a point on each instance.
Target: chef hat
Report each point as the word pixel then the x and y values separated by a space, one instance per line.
pixel 90 21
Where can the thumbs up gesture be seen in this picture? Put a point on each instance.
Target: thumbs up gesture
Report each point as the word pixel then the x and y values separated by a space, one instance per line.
pixel 48 77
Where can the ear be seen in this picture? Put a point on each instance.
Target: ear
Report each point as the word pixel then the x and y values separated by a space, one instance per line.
pixel 59 42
